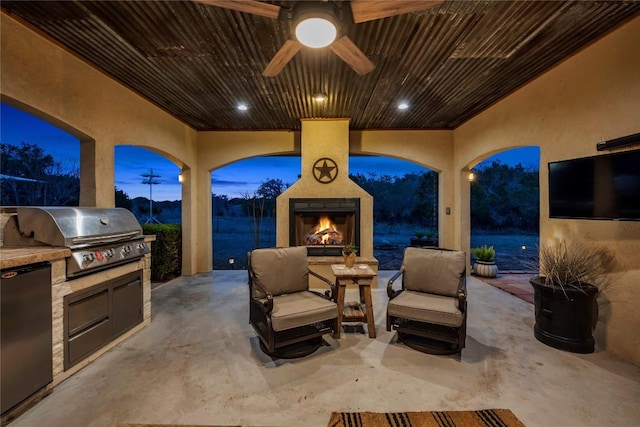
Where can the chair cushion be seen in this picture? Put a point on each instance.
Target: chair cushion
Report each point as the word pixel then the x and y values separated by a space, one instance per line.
pixel 426 308
pixel 434 271
pixel 299 309
pixel 280 270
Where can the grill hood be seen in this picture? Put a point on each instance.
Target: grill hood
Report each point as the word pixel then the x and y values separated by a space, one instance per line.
pixel 72 227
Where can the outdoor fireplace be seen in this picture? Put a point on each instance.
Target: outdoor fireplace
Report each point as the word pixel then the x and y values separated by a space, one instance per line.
pixel 324 226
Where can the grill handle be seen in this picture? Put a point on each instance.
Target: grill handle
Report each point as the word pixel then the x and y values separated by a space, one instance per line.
pixel 104 239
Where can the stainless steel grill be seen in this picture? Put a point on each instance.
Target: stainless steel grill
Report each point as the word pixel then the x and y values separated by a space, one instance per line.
pixel 98 238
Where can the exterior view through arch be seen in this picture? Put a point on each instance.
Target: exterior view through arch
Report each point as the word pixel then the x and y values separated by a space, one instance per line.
pixel 505 207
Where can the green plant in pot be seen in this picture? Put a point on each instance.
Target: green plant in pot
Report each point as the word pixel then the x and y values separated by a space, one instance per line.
pixel 425 238
pixel 566 308
pixel 484 264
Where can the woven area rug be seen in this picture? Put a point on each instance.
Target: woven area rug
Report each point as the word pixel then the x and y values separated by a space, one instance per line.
pixel 483 418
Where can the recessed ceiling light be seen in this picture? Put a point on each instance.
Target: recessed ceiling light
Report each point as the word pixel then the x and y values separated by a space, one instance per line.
pixel 403 106
pixel 319 97
pixel 243 107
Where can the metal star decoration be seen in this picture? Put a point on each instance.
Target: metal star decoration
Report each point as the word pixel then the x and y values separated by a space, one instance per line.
pixel 325 170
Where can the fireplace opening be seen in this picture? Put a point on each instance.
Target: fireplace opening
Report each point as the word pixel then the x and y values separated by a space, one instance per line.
pixel 324 226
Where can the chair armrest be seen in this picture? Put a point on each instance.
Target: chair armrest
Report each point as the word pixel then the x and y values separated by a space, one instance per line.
pixel 266 306
pixel 462 293
pixel 390 292
pixel 328 293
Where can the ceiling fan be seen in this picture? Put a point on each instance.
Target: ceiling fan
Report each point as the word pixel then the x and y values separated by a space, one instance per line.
pixel 309 15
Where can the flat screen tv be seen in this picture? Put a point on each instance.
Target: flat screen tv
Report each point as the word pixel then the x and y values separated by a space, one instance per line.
pixel 598 187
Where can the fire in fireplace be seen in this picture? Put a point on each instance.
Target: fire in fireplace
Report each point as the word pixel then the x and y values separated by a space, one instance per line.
pixel 324 226
pixel 325 233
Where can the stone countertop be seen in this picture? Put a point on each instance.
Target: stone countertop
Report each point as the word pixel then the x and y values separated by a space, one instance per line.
pixel 17 256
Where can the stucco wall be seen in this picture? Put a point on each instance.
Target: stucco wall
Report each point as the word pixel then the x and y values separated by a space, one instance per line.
pixel 45 80
pixel 590 97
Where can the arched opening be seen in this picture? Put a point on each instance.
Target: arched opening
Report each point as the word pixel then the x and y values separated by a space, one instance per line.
pixel 505 207
pixel 40 161
pixel 147 183
pixel 243 206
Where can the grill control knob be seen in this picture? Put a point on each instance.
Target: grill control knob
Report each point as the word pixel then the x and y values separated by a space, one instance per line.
pixel 87 258
pixel 141 247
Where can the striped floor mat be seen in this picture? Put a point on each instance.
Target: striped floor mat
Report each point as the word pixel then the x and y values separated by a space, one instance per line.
pixel 483 418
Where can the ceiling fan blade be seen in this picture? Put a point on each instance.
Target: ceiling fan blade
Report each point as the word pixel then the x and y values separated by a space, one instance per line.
pixel 282 57
pixel 352 55
pixel 248 6
pixel 369 10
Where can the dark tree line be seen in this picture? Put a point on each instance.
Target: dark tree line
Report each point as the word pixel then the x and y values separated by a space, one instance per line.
pixel 31 178
pixel 412 198
pixel 505 198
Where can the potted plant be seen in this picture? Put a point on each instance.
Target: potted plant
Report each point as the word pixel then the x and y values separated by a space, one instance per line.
pixel 425 238
pixel 566 309
pixel 349 253
pixel 484 264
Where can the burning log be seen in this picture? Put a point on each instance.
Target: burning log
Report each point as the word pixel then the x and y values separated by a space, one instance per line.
pixel 324 233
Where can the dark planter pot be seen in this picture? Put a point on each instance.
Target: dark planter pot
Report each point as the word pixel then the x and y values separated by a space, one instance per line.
pixel 565 320
pixel 416 242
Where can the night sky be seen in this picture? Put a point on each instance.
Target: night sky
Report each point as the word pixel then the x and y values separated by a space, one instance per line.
pixel 233 180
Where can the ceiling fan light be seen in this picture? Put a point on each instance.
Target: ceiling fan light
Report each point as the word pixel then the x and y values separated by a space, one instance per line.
pixel 316 32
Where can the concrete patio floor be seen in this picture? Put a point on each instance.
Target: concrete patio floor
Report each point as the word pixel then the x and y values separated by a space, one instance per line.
pixel 199 363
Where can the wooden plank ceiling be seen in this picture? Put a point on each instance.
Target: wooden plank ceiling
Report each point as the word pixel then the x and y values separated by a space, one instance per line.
pixel 198 61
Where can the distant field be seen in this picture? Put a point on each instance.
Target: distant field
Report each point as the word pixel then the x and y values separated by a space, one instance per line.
pixel 232 238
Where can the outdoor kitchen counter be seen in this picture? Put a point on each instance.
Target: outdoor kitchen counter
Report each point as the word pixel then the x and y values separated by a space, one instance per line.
pixel 17 256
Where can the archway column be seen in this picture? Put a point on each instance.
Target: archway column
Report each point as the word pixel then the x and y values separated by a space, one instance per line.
pixel 97 170
pixel 191 244
pixel 196 206
pixel 462 212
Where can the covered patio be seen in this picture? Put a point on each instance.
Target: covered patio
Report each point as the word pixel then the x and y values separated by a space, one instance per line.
pixel 199 363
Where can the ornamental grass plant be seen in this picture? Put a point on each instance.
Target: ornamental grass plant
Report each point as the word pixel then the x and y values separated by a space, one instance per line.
pixel 574 264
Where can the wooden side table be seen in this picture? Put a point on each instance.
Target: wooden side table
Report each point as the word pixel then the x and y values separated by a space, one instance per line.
pixel 361 275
